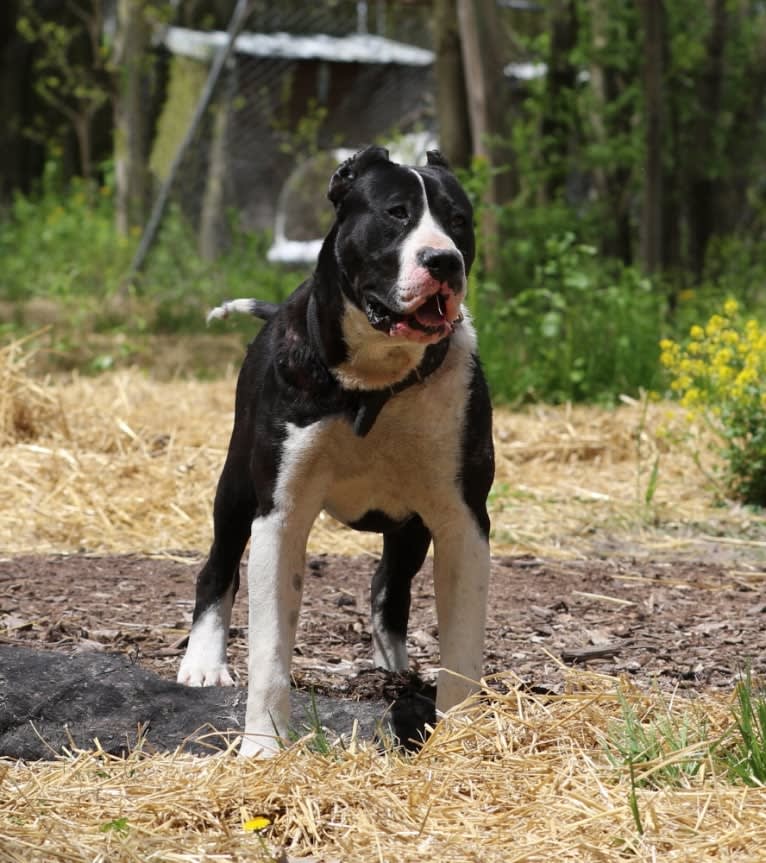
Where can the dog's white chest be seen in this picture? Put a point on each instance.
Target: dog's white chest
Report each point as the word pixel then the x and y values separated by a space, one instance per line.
pixel 407 463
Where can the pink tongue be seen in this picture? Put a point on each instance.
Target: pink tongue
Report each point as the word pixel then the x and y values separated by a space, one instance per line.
pixel 431 313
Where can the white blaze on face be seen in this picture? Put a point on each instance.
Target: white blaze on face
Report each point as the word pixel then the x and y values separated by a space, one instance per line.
pixel 414 280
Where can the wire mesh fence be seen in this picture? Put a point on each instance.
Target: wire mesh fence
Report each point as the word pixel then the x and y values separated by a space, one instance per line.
pixel 302 84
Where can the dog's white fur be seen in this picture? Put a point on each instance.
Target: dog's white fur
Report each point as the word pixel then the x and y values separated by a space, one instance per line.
pixel 410 455
pixel 204 663
pixel 408 463
pixel 375 359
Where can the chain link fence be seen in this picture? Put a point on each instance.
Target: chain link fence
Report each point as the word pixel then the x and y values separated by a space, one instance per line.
pixel 303 84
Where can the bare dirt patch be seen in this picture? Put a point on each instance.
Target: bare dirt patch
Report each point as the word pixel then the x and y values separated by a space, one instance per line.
pixel 660 582
pixel 610 547
pixel 670 622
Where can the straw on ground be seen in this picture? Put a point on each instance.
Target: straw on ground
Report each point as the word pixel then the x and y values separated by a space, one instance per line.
pixel 509 778
pixel 123 463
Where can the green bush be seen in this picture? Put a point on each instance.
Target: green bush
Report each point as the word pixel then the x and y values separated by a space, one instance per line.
pixel 582 328
pixel 183 287
pixel 60 242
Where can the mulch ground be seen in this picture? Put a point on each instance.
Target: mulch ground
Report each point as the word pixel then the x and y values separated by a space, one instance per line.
pixel 667 622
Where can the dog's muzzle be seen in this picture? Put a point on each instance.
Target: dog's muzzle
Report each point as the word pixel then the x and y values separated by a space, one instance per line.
pixel 427 309
pixel 435 318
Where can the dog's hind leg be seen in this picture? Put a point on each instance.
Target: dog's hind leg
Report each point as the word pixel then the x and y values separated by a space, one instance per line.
pixel 204 663
pixel 404 550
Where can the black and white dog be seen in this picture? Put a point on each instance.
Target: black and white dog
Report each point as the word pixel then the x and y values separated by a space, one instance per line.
pixel 362 395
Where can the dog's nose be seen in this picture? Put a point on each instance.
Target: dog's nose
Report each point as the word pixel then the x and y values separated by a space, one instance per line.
pixel 442 264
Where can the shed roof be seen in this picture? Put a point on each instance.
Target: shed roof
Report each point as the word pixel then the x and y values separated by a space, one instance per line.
pixel 354 48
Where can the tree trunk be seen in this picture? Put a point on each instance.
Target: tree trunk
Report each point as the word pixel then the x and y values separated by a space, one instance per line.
pixel 487 89
pixel 451 99
pixel 651 207
pixel 608 125
pixel 488 110
pixel 703 188
pixel 214 232
pixel 131 116
pixel 81 125
pixel 559 122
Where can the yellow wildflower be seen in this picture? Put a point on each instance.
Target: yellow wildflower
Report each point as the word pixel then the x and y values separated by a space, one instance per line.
pixel 255 825
pixel 715 325
pixel 748 375
pixel 724 374
pixel 692 397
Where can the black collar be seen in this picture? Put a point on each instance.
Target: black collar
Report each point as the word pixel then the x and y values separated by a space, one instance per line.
pixel 371 403
pixel 363 406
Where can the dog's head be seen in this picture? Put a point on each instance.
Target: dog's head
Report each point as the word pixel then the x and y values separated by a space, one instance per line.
pixel 404 242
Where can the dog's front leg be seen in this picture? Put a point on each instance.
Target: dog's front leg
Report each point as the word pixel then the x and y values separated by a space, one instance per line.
pixel 461 581
pixel 275 586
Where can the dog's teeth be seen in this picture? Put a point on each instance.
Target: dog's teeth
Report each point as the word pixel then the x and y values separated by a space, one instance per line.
pixel 439 305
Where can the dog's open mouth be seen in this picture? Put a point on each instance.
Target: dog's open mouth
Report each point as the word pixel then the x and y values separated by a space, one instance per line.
pixel 431 318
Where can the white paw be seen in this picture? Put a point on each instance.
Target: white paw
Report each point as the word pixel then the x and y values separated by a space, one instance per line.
pixel 259 746
pixel 194 674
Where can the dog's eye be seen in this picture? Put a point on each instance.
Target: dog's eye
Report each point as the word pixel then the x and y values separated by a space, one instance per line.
pixel 399 212
pixel 457 221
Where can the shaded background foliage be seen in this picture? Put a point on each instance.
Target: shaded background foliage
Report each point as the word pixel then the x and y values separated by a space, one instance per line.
pixel 615 153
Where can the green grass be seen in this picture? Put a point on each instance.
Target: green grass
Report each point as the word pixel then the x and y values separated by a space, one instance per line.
pixel 318 740
pixel 660 747
pixel 746 755
pixel 665 745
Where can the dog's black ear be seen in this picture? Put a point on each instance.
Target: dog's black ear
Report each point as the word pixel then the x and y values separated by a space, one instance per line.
pixel 435 158
pixel 343 178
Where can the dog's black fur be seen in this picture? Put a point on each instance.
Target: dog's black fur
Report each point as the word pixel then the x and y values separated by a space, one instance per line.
pixel 294 373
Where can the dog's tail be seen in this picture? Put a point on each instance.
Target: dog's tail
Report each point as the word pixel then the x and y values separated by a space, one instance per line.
pixel 249 306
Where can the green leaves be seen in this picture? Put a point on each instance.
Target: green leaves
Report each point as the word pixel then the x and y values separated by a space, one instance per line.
pixel 747 757
pixel 718 373
pixel 117 825
pixel 72 73
pixel 583 328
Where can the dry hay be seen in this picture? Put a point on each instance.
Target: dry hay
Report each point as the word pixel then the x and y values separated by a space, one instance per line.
pixel 122 463
pixel 509 778
pixel 28 408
